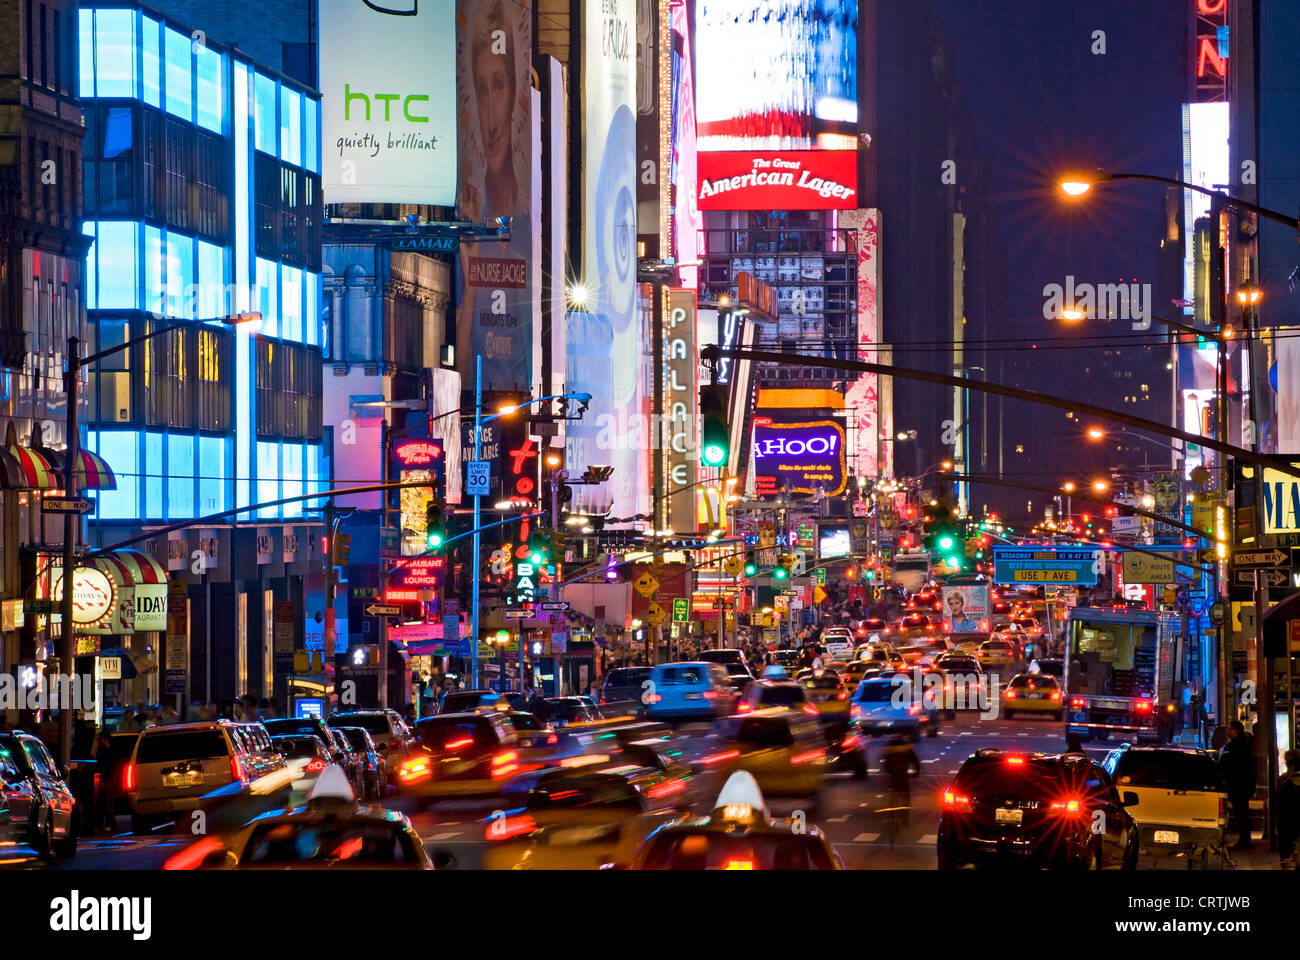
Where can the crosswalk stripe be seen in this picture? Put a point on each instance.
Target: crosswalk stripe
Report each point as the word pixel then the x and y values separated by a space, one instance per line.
pixel 866 838
pixel 928 838
pixel 932 760
pixel 836 819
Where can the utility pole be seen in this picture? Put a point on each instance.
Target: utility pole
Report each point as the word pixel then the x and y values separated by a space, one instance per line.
pixel 474 571
pixel 68 645
pixel 329 636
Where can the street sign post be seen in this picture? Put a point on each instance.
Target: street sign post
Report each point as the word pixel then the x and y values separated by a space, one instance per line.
pixel 1257 559
pixel 77 505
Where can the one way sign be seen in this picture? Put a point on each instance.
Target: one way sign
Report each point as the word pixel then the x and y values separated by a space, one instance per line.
pixel 1274 578
pixel 383 609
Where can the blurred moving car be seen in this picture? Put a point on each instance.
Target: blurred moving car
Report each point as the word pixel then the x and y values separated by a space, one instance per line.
pixel 459 755
pixel 581 816
pixel 374 772
pixel 41 807
pixel 1047 811
pixel 915 625
pixel 340 751
pixel 733 660
pixel 387 729
pixel 534 737
pixel 740 834
pixel 306 756
pixel 1033 693
pixel 697 690
pixel 783 749
pixel 569 710
pixel 330 830
pixel 775 693
pixel 1182 804
pixel 997 656
pixel 173 766
pixel 469 701
pixel 887 705
pixel 623 684
pixel 829 696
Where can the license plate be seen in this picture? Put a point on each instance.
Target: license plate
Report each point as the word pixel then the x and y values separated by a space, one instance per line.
pixel 1003 815
pixel 182 779
pixel 1166 836
pixel 1036 696
pixel 692 696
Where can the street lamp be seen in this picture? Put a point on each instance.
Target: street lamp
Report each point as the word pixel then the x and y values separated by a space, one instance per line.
pixel 1078 184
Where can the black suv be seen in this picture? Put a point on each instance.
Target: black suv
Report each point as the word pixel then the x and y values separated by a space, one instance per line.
pixel 1044 810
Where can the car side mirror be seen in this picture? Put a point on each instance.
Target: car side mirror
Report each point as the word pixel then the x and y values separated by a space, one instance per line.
pixel 1129 799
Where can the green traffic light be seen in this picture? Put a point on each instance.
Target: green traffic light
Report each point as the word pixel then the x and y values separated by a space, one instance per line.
pixel 945 542
pixel 954 562
pixel 780 573
pixel 433 539
pixel 715 455
pixel 750 569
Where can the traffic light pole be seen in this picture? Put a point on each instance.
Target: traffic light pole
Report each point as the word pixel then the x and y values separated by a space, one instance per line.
pixel 474 569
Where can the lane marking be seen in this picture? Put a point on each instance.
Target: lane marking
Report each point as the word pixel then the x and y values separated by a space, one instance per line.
pixel 446 836
pixel 928 838
pixel 866 838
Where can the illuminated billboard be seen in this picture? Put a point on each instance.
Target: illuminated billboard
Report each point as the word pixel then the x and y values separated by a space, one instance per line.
pixel 388 129
pixel 799 457
pixel 776 74
pixel 801 180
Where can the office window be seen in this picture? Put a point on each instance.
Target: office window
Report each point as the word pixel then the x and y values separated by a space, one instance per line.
pixel 212 472
pixel 85 54
pixel 180 162
pixel 153 165
pixel 114 66
pixel 116 191
pixel 180 96
pixel 268 285
pixel 291 454
pixel 290 126
pixel 311 158
pixel 290 219
pixel 213 301
pixel 213 370
pixel 180 476
pixel 152 481
pixel 209 172
pixel 266 205
pixel 268 476
pixel 115 253
pixel 211 99
pixel 180 276
pixel 291 303
pixel 90 162
pixel 311 308
pixel 151 79
pixel 155 270
pixel 110 383
pixel 311 216
pixel 266 130
pixel 269 403
pixel 120 449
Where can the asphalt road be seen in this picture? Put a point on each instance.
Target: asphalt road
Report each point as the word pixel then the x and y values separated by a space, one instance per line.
pixel 850 811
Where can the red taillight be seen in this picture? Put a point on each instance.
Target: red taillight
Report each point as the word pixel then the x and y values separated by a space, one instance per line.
pixel 552 739
pixel 744 708
pixel 128 777
pixel 1223 808
pixel 1015 761
pixel 193 855
pixel 458 743
pixel 722 757
pixel 1142 706
pixel 1011 694
pixel 1078 703
pixel 808 757
pixel 956 800
pixel 738 865
pixel 653 697
pixel 509 827
pixel 710 695
pixel 947 627
pixel 842 695
pixel 236 769
pixel 315 766
pixel 809 709
pixel 855 711
pixel 666 789
pixel 417 768
pixel 1068 807
pixel 984 626
pixel 1056 694
pixel 851 741
pixel 505 763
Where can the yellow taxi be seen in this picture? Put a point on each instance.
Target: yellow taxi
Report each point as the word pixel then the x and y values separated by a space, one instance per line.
pixel 915 625
pixel 829 694
pixel 996 655
pixel 784 750
pixel 1033 693
pixel 851 674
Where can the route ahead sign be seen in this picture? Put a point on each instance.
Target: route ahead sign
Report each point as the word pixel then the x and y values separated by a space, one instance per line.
pixel 1045 565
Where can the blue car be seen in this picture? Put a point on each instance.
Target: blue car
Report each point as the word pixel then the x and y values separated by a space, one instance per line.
pixel 695 690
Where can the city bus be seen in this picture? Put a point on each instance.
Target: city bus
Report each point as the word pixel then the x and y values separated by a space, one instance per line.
pixel 1118 671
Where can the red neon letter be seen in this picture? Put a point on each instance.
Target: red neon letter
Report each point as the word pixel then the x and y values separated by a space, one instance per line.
pixel 1210 7
pixel 1209 51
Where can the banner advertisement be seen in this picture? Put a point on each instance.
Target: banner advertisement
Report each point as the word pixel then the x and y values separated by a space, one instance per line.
pixel 967 608
pixel 799 457
pixel 870 456
pixel 592 440
pixel 387 123
pixel 792 180
pixel 494 123
pixel 609 213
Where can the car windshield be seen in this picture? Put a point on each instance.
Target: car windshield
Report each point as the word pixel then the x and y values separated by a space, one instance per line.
pixel 673 675
pixel 356 738
pixel 680 850
pixel 370 722
pixel 1170 769
pixel 958 663
pixel 627 676
pixel 182 745
pixel 525 721
pixel 828 682
pixel 288 727
pixel 782 695
pixel 1027 624
pixel 1040 682
pixel 333 840
pixel 1051 668
pixel 996 646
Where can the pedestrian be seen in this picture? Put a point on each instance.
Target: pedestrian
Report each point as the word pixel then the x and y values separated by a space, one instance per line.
pixel 1288 810
pixel 1237 763
pixel 195 712
pixel 168 715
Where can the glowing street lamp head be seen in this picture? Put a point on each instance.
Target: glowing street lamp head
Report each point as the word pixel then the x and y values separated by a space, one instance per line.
pixel 578 294
pixel 1076 184
pixel 1068 486
pixel 1071 313
pixel 1096 433
pixel 1101 486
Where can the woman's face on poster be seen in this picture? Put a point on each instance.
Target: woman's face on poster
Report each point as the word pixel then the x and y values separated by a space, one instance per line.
pixel 494 93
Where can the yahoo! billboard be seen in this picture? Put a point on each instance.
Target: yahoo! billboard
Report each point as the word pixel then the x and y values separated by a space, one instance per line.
pixel 800 457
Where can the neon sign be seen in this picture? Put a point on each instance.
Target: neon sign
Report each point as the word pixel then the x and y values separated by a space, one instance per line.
pixel 799 457
pixel 1210 51
pixel 418 453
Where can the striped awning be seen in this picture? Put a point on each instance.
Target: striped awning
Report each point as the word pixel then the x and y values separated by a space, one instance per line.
pixel 93 474
pixel 11 472
pixel 36 471
pixel 132 568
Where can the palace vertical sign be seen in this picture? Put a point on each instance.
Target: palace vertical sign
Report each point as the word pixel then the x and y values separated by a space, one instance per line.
pixel 680 399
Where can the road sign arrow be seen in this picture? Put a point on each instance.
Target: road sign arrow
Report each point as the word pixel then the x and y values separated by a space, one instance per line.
pixel 1274 578
pixel 78 505
pixel 554 605
pixel 383 609
pixel 1260 558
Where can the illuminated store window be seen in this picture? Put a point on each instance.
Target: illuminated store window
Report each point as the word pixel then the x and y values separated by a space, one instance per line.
pixel 177 49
